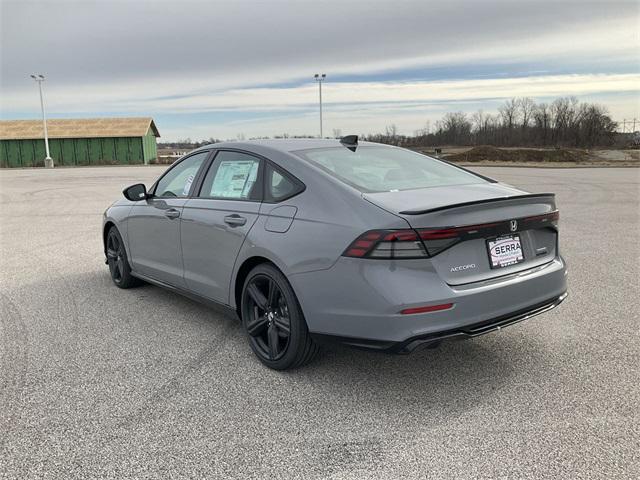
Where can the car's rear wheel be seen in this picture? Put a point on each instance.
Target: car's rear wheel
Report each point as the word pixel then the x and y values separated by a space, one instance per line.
pixel 273 319
pixel 118 262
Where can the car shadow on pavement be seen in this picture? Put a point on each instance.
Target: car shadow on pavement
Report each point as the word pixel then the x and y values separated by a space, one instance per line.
pixel 453 371
pixel 176 345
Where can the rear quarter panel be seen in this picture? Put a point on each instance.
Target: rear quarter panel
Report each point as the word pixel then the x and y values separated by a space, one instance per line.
pixel 328 217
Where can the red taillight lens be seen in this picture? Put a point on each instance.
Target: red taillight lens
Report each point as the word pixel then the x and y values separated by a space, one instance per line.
pixel 363 244
pixel 552 218
pixel 386 244
pixel 427 242
pixel 437 240
pixel 426 309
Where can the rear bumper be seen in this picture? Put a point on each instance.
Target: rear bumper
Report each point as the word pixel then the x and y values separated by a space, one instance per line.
pixel 469 331
pixel 363 299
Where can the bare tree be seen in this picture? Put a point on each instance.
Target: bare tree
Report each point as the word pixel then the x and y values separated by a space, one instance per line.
pixel 542 123
pixel 456 128
pixel 391 130
pixel 509 113
pixel 563 111
pixel 526 106
pixel 478 120
pixel 563 122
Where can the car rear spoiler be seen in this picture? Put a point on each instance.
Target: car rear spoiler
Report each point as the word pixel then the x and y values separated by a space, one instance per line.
pixel 476 202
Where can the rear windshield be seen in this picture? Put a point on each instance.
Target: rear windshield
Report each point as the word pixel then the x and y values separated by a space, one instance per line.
pixel 383 169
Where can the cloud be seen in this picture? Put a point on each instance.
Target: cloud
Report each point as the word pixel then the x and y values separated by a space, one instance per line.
pixel 136 97
pixel 181 58
pixel 223 44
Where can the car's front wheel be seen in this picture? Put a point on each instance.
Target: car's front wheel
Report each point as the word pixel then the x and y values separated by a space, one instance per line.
pixel 273 319
pixel 118 262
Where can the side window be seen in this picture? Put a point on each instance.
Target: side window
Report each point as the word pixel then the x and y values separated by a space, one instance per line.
pixel 232 176
pixel 177 182
pixel 279 186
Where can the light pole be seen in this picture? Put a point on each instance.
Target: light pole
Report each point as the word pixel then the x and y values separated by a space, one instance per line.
pixel 48 162
pixel 320 78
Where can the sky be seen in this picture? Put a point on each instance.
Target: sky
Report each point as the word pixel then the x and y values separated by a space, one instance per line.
pixel 225 69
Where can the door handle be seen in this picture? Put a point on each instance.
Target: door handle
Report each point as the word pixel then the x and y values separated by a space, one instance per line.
pixel 171 213
pixel 235 220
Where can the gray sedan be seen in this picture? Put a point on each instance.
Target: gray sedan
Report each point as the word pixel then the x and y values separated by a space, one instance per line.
pixel 308 241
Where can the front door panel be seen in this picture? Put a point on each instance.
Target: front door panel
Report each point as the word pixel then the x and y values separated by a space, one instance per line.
pixel 154 239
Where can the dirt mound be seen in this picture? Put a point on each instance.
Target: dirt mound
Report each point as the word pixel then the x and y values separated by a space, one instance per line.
pixel 487 153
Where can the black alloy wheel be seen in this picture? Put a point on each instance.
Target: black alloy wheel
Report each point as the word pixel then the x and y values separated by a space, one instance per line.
pixel 115 258
pixel 273 320
pixel 117 261
pixel 268 323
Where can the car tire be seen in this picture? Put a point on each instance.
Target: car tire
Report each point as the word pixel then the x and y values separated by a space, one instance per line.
pixel 274 322
pixel 118 262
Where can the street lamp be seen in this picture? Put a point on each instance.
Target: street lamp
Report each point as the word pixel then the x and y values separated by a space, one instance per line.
pixel 48 162
pixel 320 78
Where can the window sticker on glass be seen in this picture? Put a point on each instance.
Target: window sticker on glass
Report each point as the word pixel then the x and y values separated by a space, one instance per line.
pixel 234 179
pixel 187 185
pixel 251 179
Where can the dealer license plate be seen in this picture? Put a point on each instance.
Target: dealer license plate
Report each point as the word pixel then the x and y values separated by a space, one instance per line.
pixel 505 251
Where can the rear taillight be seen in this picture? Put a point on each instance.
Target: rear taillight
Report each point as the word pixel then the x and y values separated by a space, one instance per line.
pixel 387 244
pixel 436 241
pixel 552 218
pixel 427 242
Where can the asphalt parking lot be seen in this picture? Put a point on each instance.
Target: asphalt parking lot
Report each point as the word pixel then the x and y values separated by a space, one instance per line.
pixel 101 382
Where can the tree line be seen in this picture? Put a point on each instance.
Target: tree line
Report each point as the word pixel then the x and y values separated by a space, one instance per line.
pixel 565 122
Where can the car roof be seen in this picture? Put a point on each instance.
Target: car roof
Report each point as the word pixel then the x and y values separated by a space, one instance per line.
pixel 285 144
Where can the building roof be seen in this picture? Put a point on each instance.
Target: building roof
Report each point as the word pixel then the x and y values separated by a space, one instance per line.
pixel 78 128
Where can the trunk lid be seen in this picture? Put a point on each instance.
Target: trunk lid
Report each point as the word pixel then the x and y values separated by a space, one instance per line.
pixel 457 222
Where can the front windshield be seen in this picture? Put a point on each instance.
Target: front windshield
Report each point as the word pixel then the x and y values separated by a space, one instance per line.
pixel 383 169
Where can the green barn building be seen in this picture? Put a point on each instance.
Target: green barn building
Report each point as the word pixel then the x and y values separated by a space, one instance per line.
pixel 94 141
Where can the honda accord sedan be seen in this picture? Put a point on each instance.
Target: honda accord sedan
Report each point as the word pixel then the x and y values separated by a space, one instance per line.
pixel 310 240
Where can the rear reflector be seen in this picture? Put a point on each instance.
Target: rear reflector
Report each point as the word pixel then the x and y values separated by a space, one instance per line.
pixel 426 309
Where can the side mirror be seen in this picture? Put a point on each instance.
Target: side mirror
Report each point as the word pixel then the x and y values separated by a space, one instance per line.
pixel 135 192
